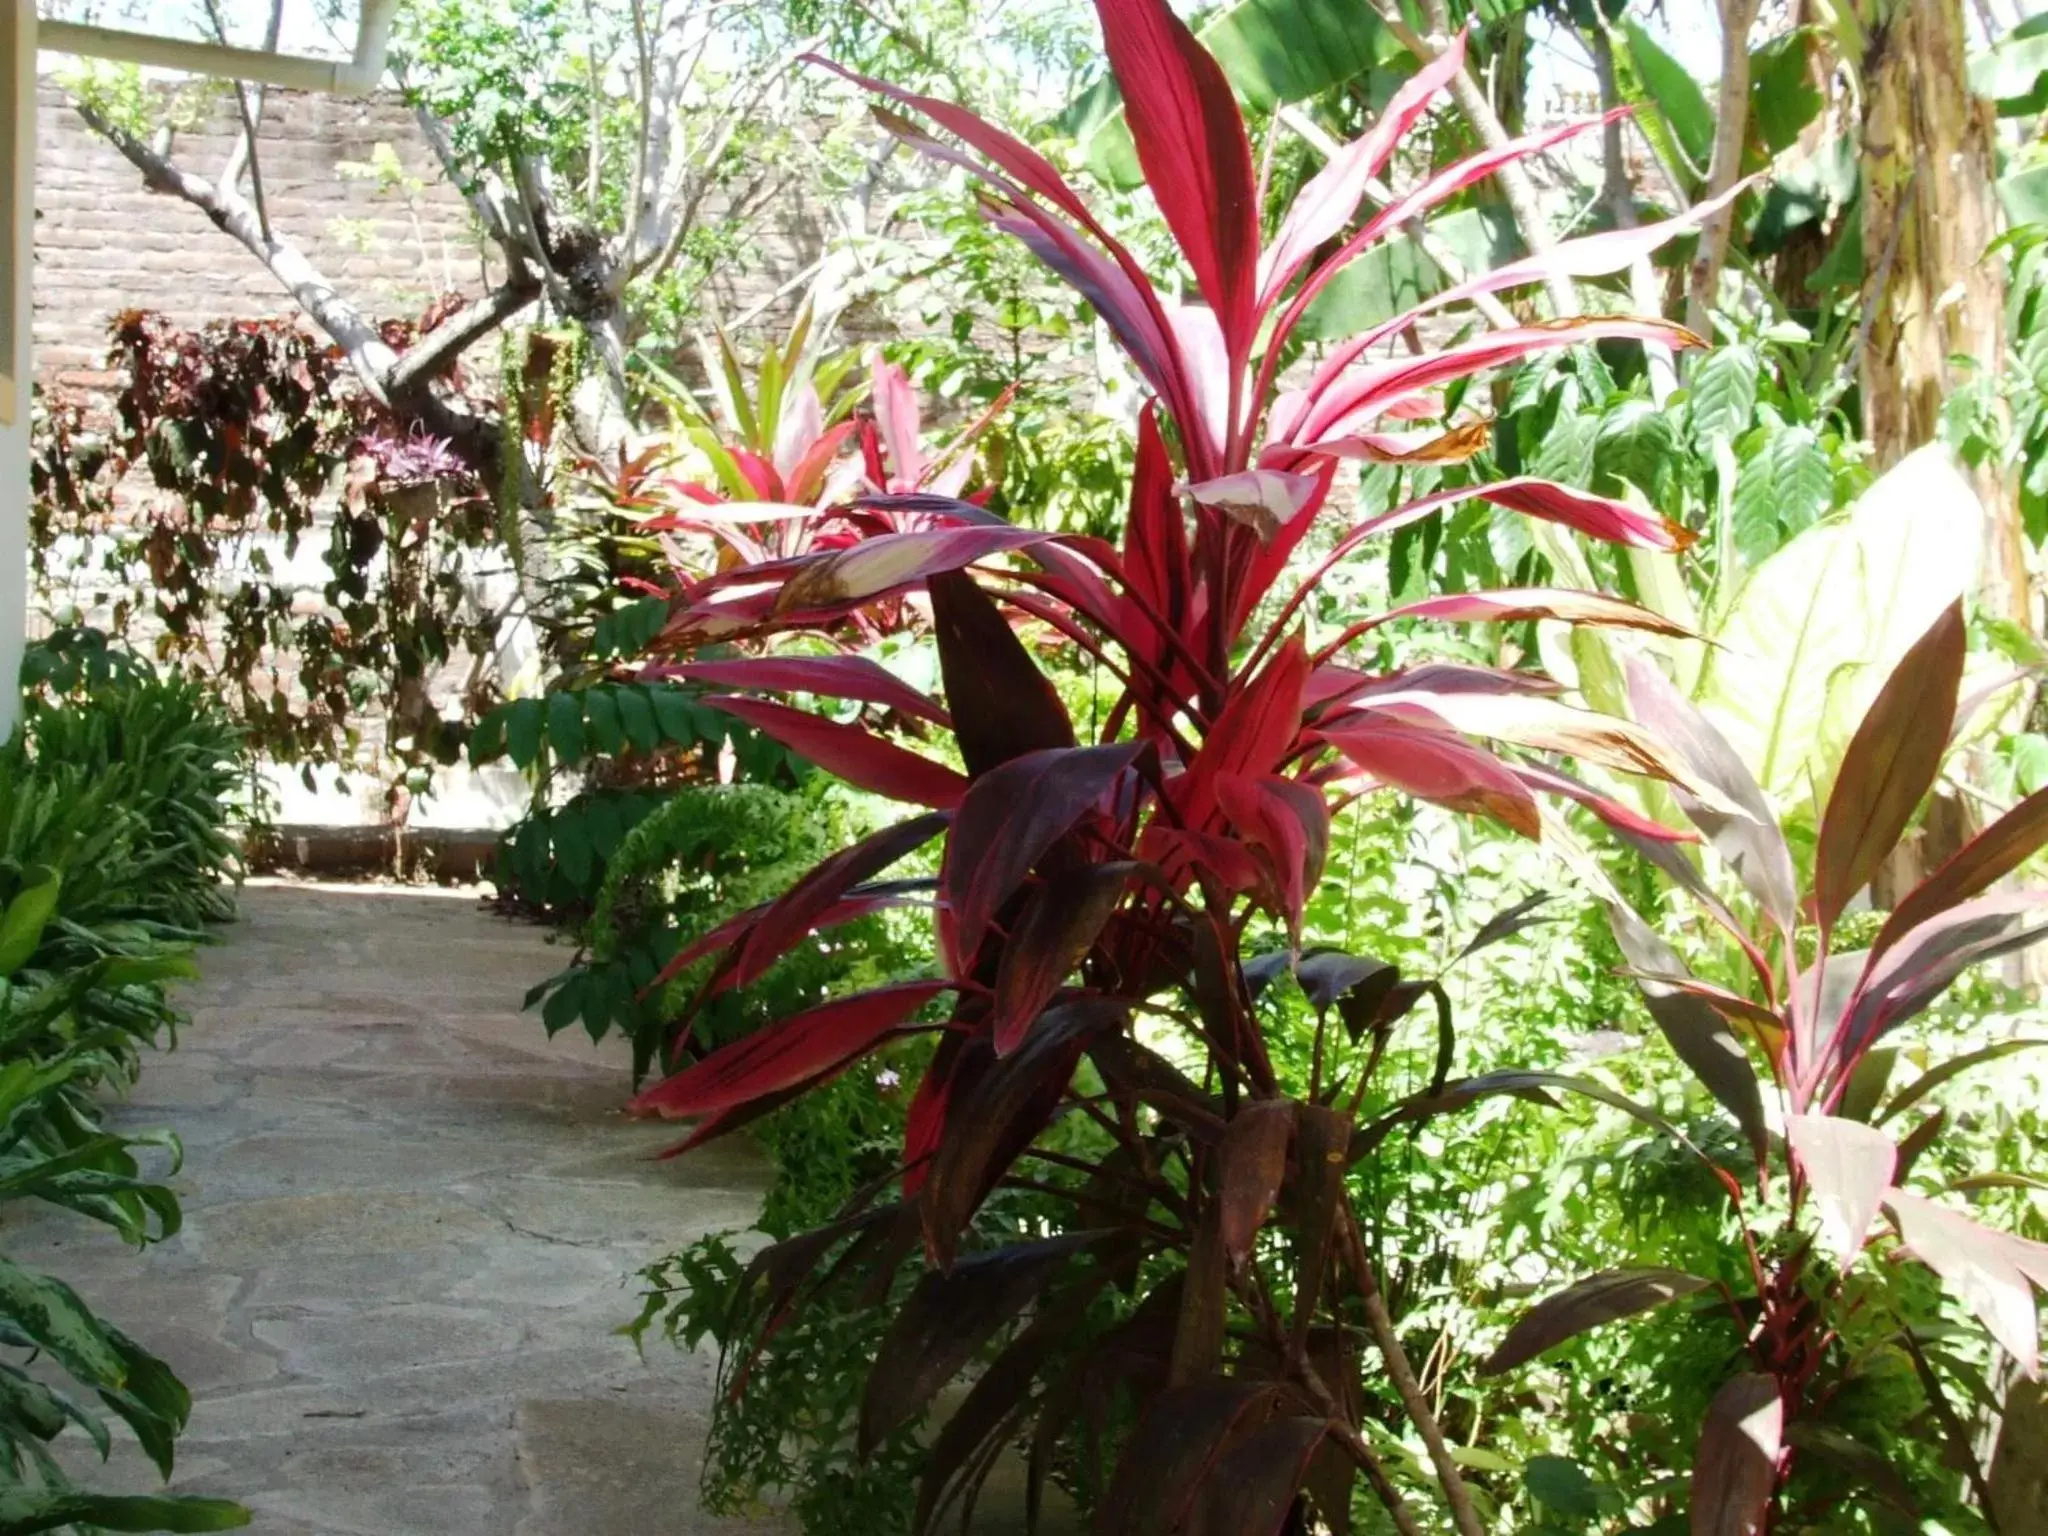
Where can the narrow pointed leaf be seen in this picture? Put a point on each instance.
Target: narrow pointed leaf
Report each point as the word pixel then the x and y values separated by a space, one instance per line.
pixel 1254 1162
pixel 1009 817
pixel 1988 1271
pixel 1747 838
pixel 1438 766
pixel 1698 1035
pixel 830 677
pixel 1848 1167
pixel 991 1120
pixel 892 561
pixel 1889 766
pixel 848 752
pixel 1060 924
pixel 788 1052
pixel 949 1316
pixel 1191 142
pixel 1254 1485
pixel 1990 856
pixel 1584 1305
pixel 1507 606
pixel 1002 702
pixel 1925 1084
pixel 1179 1438
pixel 1736 1468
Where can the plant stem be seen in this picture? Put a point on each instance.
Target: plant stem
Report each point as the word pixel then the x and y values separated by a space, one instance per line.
pixel 1456 1494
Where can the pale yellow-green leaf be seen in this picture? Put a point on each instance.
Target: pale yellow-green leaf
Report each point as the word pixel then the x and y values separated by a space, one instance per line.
pixel 1812 635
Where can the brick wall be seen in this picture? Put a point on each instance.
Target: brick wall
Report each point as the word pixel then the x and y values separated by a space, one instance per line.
pixel 103 243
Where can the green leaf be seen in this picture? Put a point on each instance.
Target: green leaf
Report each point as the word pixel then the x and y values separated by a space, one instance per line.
pixel 565 726
pixel 487 741
pixel 1724 393
pixel 1675 92
pixel 2010 71
pixel 601 723
pixel 25 1510
pixel 676 715
pixel 1782 96
pixel 2030 761
pixel 1804 479
pixel 1561 1485
pixel 48 1311
pixel 1817 627
pixel 1638 442
pixel 636 717
pixel 2024 195
pixel 524 720
pixel 22 924
pixel 564 1004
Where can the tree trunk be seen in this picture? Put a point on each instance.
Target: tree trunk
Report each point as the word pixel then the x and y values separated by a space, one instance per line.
pixel 1929 212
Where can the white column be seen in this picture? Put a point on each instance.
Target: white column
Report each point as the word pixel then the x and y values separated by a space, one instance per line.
pixel 17 239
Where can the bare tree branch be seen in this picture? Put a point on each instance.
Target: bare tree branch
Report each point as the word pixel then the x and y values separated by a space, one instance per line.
pixel 1472 101
pixel 431 355
pixel 243 155
pixel 1731 126
pixel 399 383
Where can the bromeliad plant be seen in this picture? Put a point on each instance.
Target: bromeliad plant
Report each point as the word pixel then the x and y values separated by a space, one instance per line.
pixel 1096 902
pixel 1811 1320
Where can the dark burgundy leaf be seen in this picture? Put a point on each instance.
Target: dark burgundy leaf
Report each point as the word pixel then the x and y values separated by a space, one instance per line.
pixel 1007 820
pixel 948 1317
pixel 1003 705
pixel 961 1455
pixel 1061 921
pixel 1587 1304
pixel 1323 1152
pixel 784 922
pixel 989 1124
pixel 1135 1071
pixel 1181 1436
pixel 1254 1486
pixel 1735 1470
pixel 1204 1295
pixel 1889 766
pixel 1253 1162
pixel 1503 925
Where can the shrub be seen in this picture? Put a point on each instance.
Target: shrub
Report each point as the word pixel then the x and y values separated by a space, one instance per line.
pixel 1184 1332
pixel 112 845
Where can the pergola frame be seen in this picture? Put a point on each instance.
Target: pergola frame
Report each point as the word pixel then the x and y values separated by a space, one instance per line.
pixel 289 71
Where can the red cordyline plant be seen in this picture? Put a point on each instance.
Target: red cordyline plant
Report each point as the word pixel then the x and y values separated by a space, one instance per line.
pixel 1817 1016
pixel 1095 899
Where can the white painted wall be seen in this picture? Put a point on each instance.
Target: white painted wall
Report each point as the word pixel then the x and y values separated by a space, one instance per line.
pixel 17 160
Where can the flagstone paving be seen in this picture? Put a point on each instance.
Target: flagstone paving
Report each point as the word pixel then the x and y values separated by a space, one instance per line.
pixel 411 1223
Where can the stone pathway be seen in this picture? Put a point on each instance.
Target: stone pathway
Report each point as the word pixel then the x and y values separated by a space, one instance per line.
pixel 410 1226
